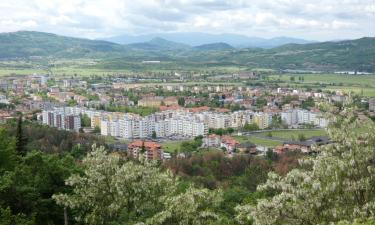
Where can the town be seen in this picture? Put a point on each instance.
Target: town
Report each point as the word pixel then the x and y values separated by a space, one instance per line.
pixel 135 112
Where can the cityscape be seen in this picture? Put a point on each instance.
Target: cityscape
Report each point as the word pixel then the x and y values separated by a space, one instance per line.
pixel 202 112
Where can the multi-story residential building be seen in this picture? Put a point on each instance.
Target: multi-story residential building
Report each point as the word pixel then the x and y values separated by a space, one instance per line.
pixel 150 150
pixel 296 117
pixel 61 118
pixel 263 120
pixel 290 117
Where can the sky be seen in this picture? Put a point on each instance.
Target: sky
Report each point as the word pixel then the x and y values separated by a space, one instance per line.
pixel 308 19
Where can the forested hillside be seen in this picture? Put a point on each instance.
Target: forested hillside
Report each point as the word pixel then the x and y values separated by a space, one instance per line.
pixel 327 56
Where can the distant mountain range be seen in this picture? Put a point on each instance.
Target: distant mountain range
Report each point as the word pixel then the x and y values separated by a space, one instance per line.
pixel 351 55
pixel 195 39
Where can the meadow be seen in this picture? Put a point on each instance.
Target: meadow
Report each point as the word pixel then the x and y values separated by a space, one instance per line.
pixel 258 141
pixel 293 134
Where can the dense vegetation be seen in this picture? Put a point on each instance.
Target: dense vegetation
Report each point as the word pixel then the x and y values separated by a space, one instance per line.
pixel 336 186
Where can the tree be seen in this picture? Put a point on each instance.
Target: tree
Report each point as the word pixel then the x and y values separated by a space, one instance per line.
pixel 85 120
pixel 197 208
pixel 153 135
pixel 251 127
pixel 181 101
pixel 301 137
pixel 21 140
pixel 27 188
pixel 111 190
pixel 308 103
pixel 337 185
pixel 8 154
pixel 97 130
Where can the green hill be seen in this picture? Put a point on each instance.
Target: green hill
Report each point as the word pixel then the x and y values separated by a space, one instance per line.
pixel 326 56
pixel 25 44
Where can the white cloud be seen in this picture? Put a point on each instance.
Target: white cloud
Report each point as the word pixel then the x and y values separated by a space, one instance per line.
pixel 314 19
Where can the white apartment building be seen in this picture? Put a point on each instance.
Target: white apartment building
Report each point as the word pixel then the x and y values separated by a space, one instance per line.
pixel 295 117
pixel 61 118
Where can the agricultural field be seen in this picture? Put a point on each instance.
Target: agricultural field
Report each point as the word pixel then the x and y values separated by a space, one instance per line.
pixel 359 84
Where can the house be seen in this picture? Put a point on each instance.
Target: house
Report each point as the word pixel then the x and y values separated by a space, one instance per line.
pixel 170 101
pixel 247 148
pixel 303 146
pixel 211 140
pixel 150 101
pixel 229 143
pixel 152 150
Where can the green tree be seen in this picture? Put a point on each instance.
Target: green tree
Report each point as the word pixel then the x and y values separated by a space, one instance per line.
pixel 21 140
pixel 8 155
pixel 301 137
pixel 181 101
pixel 251 127
pixel 198 208
pixel 85 120
pixel 97 130
pixel 111 190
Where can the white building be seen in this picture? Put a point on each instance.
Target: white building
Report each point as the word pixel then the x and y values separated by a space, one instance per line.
pixel 61 118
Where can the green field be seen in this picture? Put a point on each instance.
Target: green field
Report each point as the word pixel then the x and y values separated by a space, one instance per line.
pixel 365 91
pixel 290 134
pixel 258 141
pixel 345 79
pixel 171 146
pixel 359 84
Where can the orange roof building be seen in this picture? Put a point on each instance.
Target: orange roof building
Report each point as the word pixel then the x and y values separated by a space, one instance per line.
pixel 152 150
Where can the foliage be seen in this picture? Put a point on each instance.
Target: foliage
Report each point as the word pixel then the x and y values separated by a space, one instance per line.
pixel 308 103
pixel 337 185
pixel 251 127
pixel 110 190
pixel 28 182
pixel 85 121
pixel 143 111
pixel 51 140
pixel 197 208
pixel 221 131
pixel 21 140
pixel 191 146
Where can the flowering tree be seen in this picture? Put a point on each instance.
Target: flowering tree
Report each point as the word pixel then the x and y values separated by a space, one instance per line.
pixel 193 207
pixel 337 185
pixel 111 190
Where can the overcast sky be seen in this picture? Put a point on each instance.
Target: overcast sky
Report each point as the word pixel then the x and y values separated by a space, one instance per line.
pixel 309 19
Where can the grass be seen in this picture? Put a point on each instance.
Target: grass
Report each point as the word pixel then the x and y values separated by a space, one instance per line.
pixel 359 84
pixel 365 91
pixel 171 146
pixel 290 134
pixel 362 80
pixel 258 141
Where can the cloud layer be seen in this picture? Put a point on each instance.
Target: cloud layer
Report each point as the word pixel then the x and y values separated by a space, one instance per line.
pixel 310 19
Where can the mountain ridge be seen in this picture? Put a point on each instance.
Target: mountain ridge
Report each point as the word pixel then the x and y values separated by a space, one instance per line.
pixel 358 54
pixel 197 38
